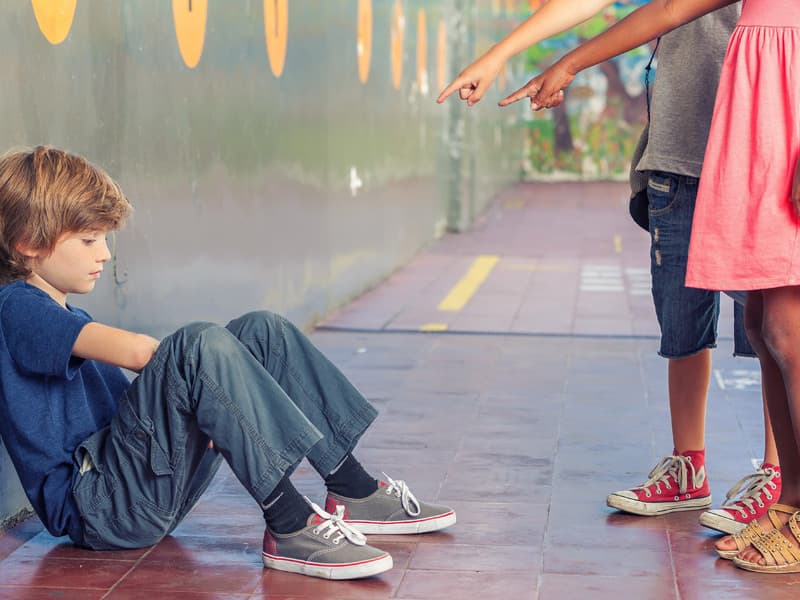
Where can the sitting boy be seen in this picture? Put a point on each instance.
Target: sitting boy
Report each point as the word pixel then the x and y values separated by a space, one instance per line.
pixel 118 464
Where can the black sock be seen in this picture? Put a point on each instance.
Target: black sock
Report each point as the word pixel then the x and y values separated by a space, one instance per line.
pixel 350 479
pixel 285 510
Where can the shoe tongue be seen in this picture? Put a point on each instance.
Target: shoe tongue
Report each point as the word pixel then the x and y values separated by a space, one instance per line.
pixel 382 484
pixel 315 519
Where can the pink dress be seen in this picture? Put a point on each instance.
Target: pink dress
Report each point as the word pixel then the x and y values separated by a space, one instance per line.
pixel 745 230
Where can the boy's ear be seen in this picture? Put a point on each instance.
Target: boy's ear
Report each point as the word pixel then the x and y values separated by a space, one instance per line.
pixel 27 251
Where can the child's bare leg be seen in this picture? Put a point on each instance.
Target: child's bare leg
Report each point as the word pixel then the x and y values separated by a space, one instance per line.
pixel 689 378
pixel 770 449
pixel 780 365
pixel 771 388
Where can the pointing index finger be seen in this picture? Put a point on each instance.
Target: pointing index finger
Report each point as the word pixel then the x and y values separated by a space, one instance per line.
pixel 518 95
pixel 457 84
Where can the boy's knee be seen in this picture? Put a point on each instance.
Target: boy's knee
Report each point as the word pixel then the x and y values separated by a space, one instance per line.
pixel 188 334
pixel 259 324
pixel 200 337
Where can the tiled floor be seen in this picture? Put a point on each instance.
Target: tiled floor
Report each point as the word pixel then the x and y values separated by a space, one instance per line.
pixel 543 394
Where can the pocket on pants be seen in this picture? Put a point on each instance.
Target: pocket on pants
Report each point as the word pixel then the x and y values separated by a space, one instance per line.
pixel 662 192
pixel 139 439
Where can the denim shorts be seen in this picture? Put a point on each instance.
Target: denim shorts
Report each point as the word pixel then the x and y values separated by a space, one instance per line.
pixel 687 316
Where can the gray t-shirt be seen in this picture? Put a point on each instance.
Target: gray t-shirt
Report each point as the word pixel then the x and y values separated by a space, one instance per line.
pixel 682 96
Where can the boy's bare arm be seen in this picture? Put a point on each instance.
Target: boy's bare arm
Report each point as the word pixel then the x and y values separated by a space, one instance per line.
pixel 641 26
pixel 553 18
pixel 115 346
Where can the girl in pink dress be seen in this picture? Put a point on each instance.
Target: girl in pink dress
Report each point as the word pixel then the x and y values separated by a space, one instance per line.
pixel 746 227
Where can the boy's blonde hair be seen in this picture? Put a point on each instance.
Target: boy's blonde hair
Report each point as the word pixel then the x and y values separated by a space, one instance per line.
pixel 46 193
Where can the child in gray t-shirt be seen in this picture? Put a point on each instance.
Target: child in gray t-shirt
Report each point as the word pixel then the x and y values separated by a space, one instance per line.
pixel 689 63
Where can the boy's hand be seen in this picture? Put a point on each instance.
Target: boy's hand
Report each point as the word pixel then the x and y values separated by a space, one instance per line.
pixel 545 90
pixel 795 197
pixel 473 81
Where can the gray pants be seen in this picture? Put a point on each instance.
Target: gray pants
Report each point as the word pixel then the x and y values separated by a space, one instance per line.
pixel 258 388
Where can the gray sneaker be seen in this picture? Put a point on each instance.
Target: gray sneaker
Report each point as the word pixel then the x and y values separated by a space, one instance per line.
pixel 327 547
pixel 392 509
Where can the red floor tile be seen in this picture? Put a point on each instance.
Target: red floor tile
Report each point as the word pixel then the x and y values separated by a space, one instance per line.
pixel 62 572
pixel 193 575
pixel 600 587
pixel 27 593
pixel 446 585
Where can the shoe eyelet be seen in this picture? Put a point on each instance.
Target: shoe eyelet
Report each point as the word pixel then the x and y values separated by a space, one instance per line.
pixel 768 495
pixel 336 541
pixel 648 494
pixel 760 504
pixel 752 511
pixel 688 496
pixel 677 498
pixel 773 486
pixel 315 530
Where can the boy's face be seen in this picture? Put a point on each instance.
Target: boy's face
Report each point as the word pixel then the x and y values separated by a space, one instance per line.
pixel 73 267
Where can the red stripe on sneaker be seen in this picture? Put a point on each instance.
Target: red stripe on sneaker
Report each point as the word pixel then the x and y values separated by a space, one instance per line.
pixel 328 565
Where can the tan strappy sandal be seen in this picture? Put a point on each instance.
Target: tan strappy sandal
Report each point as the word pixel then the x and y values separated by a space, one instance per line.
pixel 780 555
pixel 752 532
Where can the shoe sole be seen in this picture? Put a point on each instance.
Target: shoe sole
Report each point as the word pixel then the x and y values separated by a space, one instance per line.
pixel 358 570
pixel 652 509
pixel 756 568
pixel 405 527
pixel 727 554
pixel 721 524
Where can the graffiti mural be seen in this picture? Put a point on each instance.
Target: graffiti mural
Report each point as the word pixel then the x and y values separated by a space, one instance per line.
pixel 593 133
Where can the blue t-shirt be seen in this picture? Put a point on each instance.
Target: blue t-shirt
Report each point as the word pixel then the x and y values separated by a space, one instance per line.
pixel 50 401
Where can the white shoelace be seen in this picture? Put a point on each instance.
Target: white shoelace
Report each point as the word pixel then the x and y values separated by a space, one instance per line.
pixel 335 525
pixel 748 489
pixel 676 467
pixel 408 501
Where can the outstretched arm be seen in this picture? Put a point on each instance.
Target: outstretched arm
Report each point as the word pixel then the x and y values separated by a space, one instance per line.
pixel 641 26
pixel 553 18
pixel 115 346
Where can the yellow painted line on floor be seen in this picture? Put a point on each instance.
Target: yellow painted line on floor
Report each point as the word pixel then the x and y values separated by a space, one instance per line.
pixel 618 244
pixel 434 327
pixel 469 284
pixel 538 268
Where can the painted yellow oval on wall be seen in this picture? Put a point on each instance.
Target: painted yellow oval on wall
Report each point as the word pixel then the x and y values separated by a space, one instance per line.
pixel 54 18
pixel 276 30
pixel 364 39
pixel 422 52
pixel 396 43
pixel 190 28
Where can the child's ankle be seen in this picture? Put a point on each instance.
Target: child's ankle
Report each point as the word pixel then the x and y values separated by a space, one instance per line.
pixel 698 457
